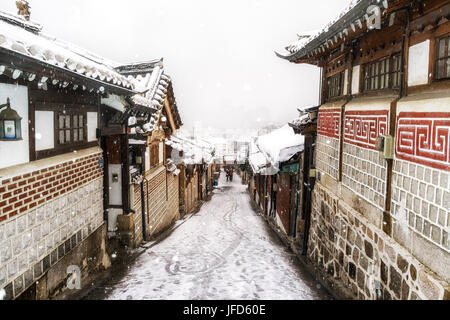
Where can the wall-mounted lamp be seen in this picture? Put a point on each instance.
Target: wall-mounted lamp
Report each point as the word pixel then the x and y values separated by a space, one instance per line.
pixel 10 123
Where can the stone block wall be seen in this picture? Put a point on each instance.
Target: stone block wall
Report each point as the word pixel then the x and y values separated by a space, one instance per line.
pixel 386 241
pixel 46 210
pixel 328 146
pixel 364 171
pixel 421 198
pixel 356 254
pixel 420 206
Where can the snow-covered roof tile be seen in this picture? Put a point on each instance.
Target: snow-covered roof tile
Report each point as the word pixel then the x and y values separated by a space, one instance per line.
pixel 27 39
pixel 280 145
pixel 349 20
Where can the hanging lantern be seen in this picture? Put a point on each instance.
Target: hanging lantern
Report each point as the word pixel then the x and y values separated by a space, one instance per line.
pixel 10 123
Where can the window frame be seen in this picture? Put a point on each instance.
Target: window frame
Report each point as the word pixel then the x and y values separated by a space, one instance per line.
pixel 382 71
pixel 66 110
pixel 73 114
pixel 445 59
pixel 335 89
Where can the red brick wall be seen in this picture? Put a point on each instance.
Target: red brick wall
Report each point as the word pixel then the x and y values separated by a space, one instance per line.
pixel 24 192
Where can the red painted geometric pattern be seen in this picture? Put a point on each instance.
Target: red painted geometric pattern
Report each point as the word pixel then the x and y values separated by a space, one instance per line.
pixel 362 128
pixel 424 138
pixel 329 123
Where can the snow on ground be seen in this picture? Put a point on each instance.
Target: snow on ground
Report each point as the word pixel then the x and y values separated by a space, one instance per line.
pixel 224 252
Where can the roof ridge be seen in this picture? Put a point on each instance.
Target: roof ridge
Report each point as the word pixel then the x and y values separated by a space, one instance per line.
pixel 18 20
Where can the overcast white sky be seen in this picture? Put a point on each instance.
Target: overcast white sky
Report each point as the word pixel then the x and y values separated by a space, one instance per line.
pixel 220 54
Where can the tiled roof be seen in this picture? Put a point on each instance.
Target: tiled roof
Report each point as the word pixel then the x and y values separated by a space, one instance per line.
pixel 26 38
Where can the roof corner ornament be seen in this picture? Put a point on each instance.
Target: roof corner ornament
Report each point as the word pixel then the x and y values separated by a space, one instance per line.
pixel 24 9
pixel 374 20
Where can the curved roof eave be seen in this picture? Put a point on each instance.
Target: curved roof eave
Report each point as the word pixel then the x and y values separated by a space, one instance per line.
pixel 357 12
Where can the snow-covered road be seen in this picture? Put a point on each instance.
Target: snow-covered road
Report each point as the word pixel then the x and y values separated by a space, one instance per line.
pixel 224 252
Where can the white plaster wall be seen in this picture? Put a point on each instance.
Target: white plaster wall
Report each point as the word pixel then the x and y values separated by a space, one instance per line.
pixel 92 125
pixel 355 79
pixel 44 130
pixel 419 60
pixel 18 151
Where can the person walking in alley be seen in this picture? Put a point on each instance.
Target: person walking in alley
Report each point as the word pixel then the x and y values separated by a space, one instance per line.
pixel 230 173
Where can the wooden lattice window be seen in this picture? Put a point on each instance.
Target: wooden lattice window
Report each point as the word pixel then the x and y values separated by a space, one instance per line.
pixel 336 85
pixel 64 129
pixel 71 128
pixel 383 74
pixel 396 71
pixel 78 128
pixel 443 58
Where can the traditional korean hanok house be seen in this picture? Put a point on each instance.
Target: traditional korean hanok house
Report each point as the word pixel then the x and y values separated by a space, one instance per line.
pixel 148 197
pixel 305 125
pixel 209 166
pixel 282 149
pixel 275 159
pixel 380 210
pixel 51 163
pixel 258 165
pixel 195 162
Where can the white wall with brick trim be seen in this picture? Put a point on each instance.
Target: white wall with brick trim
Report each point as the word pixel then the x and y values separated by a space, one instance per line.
pixel 47 211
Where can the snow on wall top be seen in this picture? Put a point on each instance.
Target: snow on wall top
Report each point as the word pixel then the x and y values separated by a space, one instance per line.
pixel 27 39
pixel 280 145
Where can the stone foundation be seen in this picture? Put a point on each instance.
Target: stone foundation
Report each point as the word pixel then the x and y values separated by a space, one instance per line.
pixel 347 249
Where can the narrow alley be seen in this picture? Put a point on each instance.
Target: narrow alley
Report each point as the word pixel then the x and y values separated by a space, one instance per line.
pixel 225 251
